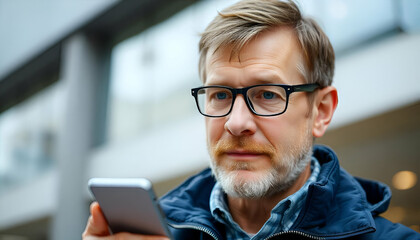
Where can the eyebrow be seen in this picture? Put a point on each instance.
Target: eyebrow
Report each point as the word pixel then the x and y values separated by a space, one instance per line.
pixel 267 77
pixel 255 80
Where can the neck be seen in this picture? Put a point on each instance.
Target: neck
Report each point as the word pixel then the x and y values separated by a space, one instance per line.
pixel 251 214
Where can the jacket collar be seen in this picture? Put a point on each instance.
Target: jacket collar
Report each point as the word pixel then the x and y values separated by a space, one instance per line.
pixel 187 206
pixel 338 205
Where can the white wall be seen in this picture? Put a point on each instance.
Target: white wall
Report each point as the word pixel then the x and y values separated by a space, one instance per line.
pixel 377 78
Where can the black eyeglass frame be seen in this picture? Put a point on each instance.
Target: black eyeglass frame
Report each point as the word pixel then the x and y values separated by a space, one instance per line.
pixel 235 91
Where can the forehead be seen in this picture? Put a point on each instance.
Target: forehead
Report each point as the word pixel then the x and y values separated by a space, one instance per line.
pixel 272 55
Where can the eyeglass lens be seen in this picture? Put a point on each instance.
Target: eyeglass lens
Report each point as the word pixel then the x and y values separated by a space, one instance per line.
pixel 264 100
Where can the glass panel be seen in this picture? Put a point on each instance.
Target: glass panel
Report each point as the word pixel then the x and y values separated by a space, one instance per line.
pixel 152 73
pixel 350 22
pixel 410 15
pixel 28 134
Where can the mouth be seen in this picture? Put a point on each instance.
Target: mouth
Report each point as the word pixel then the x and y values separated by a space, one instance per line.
pixel 244 149
pixel 243 155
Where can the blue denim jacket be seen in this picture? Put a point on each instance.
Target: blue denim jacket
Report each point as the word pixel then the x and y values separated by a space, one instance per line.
pixel 338 206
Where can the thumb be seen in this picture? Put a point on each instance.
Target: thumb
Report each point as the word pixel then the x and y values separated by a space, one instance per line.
pixel 97 225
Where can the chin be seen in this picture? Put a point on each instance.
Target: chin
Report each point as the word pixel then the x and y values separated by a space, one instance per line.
pixel 245 183
pixel 248 176
pixel 246 180
pixel 253 183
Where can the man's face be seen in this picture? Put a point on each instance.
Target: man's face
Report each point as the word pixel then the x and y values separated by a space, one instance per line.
pixel 255 156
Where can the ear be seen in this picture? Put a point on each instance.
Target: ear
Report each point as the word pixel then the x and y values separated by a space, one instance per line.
pixel 325 103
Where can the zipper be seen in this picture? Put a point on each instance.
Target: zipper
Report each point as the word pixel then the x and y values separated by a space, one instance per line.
pixel 214 235
pixel 199 228
pixel 295 232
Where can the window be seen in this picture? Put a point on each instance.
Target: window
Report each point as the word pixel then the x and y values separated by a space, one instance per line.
pixel 152 73
pixel 28 133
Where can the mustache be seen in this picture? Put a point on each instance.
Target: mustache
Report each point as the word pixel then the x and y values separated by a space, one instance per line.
pixel 244 144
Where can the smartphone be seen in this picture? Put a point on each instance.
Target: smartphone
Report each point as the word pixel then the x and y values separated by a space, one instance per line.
pixel 129 205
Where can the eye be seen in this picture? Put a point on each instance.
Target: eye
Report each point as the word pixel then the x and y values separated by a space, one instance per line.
pixel 218 94
pixel 268 95
pixel 221 95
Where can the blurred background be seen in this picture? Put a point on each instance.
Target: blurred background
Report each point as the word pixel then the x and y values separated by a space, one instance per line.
pixel 101 88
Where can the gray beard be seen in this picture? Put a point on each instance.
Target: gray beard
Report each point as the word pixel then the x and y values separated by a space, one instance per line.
pixel 278 179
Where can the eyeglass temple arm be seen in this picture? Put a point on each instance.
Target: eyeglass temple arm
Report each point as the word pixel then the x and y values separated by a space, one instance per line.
pixel 306 87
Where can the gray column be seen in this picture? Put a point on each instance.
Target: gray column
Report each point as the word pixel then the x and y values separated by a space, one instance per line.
pixel 84 74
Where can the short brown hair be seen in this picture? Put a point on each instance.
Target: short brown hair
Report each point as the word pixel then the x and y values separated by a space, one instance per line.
pixel 241 22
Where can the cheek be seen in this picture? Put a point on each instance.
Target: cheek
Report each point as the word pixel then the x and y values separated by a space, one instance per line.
pixel 214 129
pixel 277 133
pixel 283 132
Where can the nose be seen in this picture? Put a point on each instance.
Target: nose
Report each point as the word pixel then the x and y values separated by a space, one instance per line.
pixel 240 121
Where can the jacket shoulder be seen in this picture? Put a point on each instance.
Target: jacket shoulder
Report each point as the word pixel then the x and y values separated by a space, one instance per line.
pixel 386 229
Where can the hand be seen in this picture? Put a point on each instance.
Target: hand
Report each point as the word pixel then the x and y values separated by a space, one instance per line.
pixel 97 228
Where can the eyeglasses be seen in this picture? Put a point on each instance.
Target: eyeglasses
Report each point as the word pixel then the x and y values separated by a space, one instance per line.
pixel 263 100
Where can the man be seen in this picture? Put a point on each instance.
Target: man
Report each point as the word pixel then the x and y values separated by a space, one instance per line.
pixel 267 94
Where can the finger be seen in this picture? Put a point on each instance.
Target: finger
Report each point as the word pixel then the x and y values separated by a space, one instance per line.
pixel 97 225
pixel 130 236
pixel 126 236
